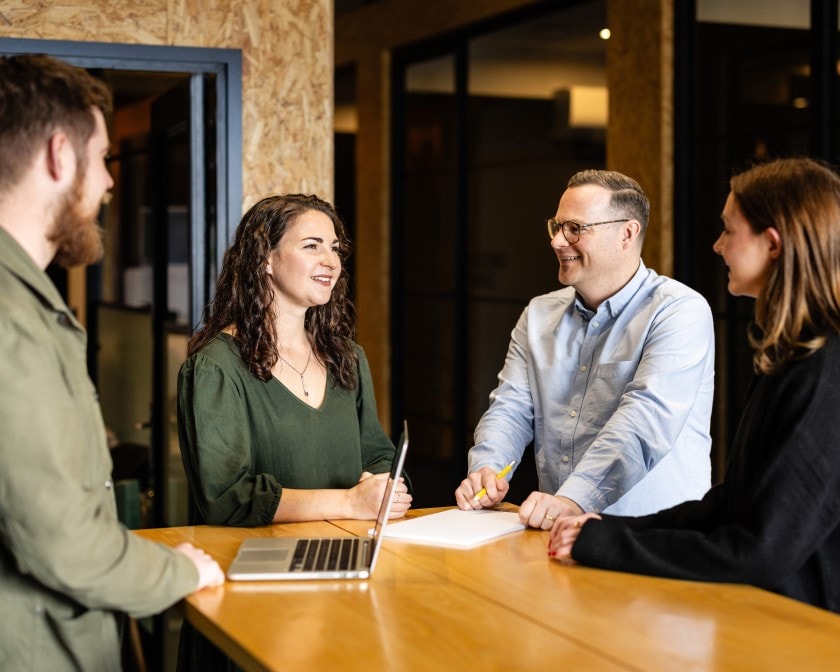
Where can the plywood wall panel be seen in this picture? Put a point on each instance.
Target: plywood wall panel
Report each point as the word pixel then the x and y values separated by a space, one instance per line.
pixel 640 135
pixel 287 69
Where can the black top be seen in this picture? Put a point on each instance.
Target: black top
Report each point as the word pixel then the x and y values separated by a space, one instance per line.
pixel 774 521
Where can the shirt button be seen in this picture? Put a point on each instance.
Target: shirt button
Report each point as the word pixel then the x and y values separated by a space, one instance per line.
pixel 583 367
pixel 596 324
pixel 109 484
pixel 565 458
pixel 573 414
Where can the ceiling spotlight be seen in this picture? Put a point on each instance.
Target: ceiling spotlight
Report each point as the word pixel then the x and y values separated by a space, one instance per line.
pixel 604 33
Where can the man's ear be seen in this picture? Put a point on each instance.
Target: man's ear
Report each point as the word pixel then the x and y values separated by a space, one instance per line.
pixel 61 158
pixel 631 231
pixel 774 240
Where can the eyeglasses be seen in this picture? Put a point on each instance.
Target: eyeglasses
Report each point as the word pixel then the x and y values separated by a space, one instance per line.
pixel 572 230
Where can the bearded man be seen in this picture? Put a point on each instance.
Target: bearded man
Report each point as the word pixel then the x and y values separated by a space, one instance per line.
pixel 66 563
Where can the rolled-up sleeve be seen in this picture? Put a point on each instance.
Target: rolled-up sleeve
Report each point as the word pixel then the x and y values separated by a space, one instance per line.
pixel 214 432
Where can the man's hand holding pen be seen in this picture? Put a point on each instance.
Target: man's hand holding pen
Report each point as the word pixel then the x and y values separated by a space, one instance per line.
pixel 483 488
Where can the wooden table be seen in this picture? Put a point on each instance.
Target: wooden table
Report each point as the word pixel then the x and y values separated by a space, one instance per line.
pixel 501 606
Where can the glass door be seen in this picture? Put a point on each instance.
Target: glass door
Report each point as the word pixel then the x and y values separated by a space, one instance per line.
pixel 143 300
pixel 754 81
pixel 488 128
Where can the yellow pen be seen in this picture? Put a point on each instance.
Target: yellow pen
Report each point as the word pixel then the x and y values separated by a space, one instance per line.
pixel 504 472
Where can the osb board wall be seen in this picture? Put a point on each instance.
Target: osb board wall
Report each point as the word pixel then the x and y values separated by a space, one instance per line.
pixel 287 69
pixel 640 134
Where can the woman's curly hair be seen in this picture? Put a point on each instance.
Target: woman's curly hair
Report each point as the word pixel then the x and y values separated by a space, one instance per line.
pixel 244 296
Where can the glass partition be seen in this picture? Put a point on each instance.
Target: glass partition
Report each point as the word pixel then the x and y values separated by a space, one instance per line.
pixel 488 129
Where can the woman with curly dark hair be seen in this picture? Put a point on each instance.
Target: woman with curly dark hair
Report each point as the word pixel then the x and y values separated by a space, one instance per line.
pixel 774 521
pixel 276 414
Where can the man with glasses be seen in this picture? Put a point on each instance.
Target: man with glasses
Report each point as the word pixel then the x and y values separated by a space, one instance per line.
pixel 611 377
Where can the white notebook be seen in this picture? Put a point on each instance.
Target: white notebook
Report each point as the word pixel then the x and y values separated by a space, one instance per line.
pixel 456 528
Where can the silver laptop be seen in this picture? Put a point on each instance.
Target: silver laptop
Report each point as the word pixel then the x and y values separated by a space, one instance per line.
pixel 284 558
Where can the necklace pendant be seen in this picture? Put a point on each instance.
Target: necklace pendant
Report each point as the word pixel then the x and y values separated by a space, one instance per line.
pixel 300 373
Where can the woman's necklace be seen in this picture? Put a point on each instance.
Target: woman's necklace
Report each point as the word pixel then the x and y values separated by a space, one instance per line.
pixel 300 373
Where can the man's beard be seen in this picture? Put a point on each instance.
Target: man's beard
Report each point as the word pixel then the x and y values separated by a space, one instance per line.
pixel 76 234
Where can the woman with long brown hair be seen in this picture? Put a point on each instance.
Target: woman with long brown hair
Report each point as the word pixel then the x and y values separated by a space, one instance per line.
pixel 774 521
pixel 276 413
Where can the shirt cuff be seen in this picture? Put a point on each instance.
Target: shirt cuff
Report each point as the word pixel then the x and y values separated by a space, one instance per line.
pixel 586 496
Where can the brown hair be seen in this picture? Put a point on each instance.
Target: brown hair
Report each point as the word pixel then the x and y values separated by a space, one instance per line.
pixel 628 198
pixel 244 297
pixel 799 306
pixel 40 95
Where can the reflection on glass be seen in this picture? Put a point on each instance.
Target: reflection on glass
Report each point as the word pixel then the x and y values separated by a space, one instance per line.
pixel 485 158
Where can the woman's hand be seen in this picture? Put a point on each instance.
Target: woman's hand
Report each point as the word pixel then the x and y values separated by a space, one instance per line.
pixel 564 534
pixel 365 497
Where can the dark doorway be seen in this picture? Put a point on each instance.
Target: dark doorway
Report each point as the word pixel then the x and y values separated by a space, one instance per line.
pixel 485 138
pixel 751 84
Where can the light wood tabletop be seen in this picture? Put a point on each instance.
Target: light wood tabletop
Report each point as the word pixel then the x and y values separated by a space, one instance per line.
pixel 500 606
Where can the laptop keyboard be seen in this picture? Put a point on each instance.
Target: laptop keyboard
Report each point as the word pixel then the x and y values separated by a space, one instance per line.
pixel 324 554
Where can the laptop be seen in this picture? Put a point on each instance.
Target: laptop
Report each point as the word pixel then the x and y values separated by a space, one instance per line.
pixel 298 558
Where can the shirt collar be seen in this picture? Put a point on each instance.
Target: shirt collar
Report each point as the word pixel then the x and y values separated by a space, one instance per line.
pixel 20 264
pixel 618 301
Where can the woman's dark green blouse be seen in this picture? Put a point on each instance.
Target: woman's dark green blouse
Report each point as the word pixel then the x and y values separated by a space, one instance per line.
pixel 243 439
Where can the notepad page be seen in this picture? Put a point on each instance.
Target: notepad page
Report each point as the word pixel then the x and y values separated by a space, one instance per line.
pixel 456 528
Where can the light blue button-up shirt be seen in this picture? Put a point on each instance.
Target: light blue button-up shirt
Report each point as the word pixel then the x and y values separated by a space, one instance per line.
pixel 617 401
